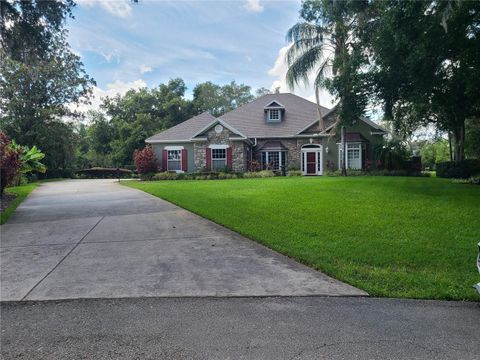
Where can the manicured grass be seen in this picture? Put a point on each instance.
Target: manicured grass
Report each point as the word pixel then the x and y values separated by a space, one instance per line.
pixel 391 236
pixel 22 192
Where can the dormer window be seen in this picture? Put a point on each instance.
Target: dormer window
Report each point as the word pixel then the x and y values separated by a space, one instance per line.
pixel 274 115
pixel 274 111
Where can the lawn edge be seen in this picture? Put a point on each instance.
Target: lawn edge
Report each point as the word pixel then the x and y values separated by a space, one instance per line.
pixel 5 215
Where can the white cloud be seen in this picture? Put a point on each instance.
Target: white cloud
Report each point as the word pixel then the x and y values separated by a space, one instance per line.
pixel 279 71
pixel 253 6
pixel 120 8
pixel 107 56
pixel 117 87
pixel 145 69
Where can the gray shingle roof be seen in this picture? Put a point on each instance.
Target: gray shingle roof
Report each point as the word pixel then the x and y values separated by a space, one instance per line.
pixel 184 130
pixel 249 119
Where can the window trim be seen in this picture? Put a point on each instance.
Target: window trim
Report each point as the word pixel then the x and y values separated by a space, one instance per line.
pixel 171 149
pixel 318 150
pixel 344 157
pixel 269 115
pixel 218 147
pixel 282 158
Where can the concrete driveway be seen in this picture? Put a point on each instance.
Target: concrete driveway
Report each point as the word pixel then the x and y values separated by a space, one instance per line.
pixel 98 239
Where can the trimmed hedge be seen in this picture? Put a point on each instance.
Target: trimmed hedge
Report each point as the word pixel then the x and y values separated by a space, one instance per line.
pixel 458 169
pixel 104 173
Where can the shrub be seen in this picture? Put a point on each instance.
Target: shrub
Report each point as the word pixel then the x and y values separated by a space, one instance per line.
pixel 458 169
pixel 146 177
pixel 10 162
pixel 104 173
pixel 379 173
pixel 293 166
pixel 333 173
pixel 145 160
pixel 57 173
pixel 474 180
pixel 294 173
pixel 391 154
pixel 259 174
pixel 223 176
pixel 166 175
pixel 254 166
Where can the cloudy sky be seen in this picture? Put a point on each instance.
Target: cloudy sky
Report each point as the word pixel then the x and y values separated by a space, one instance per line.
pixel 125 45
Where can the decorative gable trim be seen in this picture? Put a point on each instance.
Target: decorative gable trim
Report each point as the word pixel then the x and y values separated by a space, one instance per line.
pixel 274 105
pixel 221 122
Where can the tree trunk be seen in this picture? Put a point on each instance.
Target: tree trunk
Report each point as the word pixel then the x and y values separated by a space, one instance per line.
pixel 344 152
pixel 450 145
pixel 459 137
pixel 320 116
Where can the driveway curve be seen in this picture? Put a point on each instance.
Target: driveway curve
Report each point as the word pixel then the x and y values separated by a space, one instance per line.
pixel 98 239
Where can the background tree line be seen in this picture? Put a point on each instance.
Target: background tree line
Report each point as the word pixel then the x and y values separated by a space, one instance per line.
pixel 42 81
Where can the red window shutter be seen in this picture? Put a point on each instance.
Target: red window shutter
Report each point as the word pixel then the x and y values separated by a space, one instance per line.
pixel 164 160
pixel 229 157
pixel 208 165
pixel 184 160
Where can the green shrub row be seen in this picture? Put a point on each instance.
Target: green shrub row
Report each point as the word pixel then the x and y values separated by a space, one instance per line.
pixel 170 175
pixel 104 173
pixel 379 173
pixel 458 169
pixel 474 180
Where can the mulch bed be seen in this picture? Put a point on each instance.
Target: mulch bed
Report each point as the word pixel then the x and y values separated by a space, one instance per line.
pixel 6 200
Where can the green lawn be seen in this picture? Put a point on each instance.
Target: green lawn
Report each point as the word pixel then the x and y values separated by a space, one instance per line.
pixel 391 236
pixel 22 192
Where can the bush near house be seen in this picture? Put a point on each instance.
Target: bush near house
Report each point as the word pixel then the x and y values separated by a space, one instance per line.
pixel 145 161
pixel 458 169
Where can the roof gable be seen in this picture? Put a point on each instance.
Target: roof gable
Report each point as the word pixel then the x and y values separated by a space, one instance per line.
pixel 274 105
pixel 184 130
pixel 213 123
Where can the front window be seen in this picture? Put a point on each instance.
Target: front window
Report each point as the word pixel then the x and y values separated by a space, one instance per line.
pixel 274 115
pixel 354 156
pixel 219 159
pixel 174 160
pixel 273 160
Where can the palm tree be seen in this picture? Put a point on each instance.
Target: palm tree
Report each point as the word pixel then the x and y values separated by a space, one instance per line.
pixel 320 46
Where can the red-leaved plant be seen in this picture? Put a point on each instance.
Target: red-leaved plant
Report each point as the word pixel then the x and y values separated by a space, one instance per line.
pixel 145 160
pixel 10 162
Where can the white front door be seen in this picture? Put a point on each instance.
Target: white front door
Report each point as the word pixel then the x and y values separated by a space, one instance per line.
pixel 312 162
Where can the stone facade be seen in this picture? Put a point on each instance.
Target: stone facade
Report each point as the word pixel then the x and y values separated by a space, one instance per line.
pixel 226 137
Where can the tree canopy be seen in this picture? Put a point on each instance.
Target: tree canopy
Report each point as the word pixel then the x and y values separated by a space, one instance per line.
pixel 41 78
pixel 420 60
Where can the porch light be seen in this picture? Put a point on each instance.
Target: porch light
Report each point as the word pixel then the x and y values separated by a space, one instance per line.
pixel 326 150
